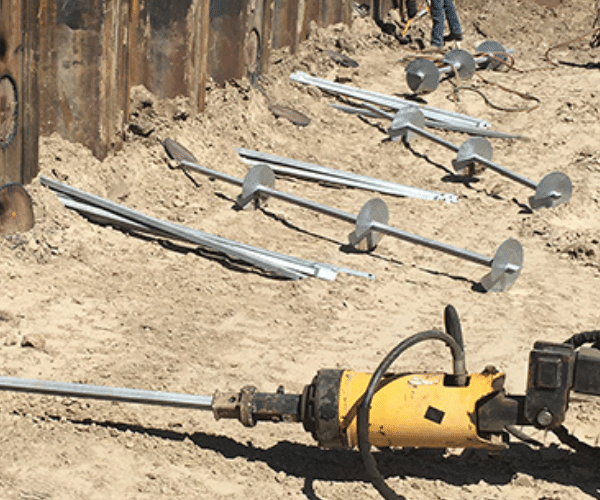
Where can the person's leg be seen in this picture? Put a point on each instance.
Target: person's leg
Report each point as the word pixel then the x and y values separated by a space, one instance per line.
pixel 452 17
pixel 411 8
pixel 437 17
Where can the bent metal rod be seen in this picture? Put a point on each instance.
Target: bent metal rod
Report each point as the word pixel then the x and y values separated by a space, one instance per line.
pixel 371 225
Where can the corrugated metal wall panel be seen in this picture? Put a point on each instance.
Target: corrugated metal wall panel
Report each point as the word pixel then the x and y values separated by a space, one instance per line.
pixel 160 49
pixel 332 12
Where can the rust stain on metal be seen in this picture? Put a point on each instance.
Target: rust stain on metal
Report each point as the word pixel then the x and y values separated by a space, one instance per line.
pixel 285 24
pixel 133 44
pixel 311 13
pixel 226 39
pixel 114 95
pixel 196 72
pixel 162 46
pixel 18 90
pixel 66 113
pixel 204 37
pixel 9 110
pixel 30 91
pixel 323 13
pixel 335 11
pixel 252 51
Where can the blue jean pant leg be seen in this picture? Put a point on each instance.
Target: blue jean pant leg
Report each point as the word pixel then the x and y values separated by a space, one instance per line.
pixel 442 10
pixel 437 16
pixel 452 17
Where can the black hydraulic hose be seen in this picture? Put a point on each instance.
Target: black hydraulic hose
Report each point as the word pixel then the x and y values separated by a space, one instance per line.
pixel 511 429
pixel 452 324
pixel 364 444
pixel 453 328
pixel 579 339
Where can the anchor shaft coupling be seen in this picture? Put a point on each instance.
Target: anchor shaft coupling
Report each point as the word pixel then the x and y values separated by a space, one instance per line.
pixel 249 406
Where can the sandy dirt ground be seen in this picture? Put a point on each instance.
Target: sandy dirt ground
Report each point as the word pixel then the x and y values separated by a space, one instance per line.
pixel 85 303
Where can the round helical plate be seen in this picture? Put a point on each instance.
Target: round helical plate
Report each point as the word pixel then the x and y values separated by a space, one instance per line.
pixel 462 62
pixel 178 152
pixel 410 115
pixel 554 189
pixel 501 278
pixel 16 209
pixel 290 114
pixel 422 76
pixel 494 48
pixel 258 175
pixel 469 150
pixel 374 210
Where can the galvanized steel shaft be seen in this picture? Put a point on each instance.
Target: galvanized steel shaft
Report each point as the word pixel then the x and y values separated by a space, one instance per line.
pixel 338 214
pixel 435 138
pixel 168 228
pixel 436 245
pixel 66 389
pixel 317 207
pixel 507 173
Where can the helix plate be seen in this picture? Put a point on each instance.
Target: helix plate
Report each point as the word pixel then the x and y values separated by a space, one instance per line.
pixel 259 175
pixel 9 110
pixel 495 50
pixel 402 121
pixel 469 151
pixel 363 237
pixel 462 62
pixel 178 152
pixel 506 267
pixel 16 209
pixel 554 189
pixel 422 76
pixel 290 114
pixel 342 59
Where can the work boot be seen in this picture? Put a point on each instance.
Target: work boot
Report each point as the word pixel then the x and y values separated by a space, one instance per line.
pixel 453 37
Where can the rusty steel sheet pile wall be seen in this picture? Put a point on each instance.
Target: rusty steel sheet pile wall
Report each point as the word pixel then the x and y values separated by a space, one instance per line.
pixel 167 47
pixel 83 71
pixel 18 90
pixel 239 42
pixel 92 52
pixel 287 24
pixel 292 19
pixel 378 9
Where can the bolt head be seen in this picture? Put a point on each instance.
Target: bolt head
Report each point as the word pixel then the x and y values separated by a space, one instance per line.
pixel 544 418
